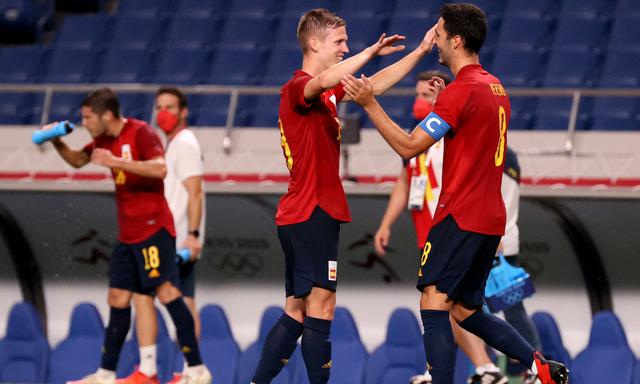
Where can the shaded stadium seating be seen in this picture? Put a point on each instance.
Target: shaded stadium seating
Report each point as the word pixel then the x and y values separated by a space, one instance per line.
pixel 143 8
pixel 135 32
pixel 298 7
pixel 616 114
pixel 628 7
pixel 79 353
pixel 167 352
pixel 189 32
pixel 122 65
pixel 236 65
pixel 347 351
pixel 249 357
pixel 19 64
pixel 209 110
pixel 81 32
pixel 70 65
pixel 402 353
pixel 617 72
pixel 553 113
pixel 582 31
pixel 636 375
pixel 579 74
pixel 265 112
pixel 542 8
pixel 525 32
pixel 24 351
pixel 178 66
pixel 205 9
pixel 219 350
pixel 65 106
pixel 251 8
pixel 244 31
pixel 589 8
pixel 22 21
pixel 550 337
pixel 607 358
pixel 516 66
pixel 282 63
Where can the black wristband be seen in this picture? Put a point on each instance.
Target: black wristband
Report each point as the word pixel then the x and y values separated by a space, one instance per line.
pixel 195 233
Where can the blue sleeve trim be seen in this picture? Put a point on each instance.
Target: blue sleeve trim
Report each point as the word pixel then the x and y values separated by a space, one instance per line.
pixel 435 126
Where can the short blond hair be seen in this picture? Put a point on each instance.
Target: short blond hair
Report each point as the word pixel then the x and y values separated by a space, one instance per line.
pixel 316 22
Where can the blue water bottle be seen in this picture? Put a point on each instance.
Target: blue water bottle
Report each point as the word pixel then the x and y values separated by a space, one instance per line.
pixel 183 256
pixel 60 129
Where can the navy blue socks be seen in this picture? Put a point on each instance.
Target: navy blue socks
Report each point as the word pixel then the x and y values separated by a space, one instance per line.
pixel 500 335
pixel 439 345
pixel 116 332
pixel 316 349
pixel 278 347
pixel 185 330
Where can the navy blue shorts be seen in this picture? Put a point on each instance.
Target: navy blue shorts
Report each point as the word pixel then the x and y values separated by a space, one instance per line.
pixel 457 262
pixel 188 279
pixel 141 267
pixel 311 253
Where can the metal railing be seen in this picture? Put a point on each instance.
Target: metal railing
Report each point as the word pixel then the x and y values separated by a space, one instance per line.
pixel 234 92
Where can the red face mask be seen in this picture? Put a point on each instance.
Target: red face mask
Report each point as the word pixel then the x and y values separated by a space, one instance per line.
pixel 421 108
pixel 167 121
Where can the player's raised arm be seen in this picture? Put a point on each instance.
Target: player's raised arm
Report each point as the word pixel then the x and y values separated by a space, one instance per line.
pixel 75 158
pixel 405 144
pixel 392 74
pixel 331 76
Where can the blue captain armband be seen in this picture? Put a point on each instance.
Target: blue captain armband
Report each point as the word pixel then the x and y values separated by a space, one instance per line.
pixel 435 126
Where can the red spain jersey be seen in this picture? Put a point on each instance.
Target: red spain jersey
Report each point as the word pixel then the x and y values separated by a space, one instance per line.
pixel 142 208
pixel 477 108
pixel 310 138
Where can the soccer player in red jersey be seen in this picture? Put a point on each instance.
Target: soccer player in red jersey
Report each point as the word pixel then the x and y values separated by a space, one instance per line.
pixel 310 213
pixel 144 259
pixel 472 114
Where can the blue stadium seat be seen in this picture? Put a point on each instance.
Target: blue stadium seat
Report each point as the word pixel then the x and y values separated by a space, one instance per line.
pixel 607 358
pixel 550 337
pixel 134 105
pixel 628 8
pixel 249 358
pixel 179 66
pixel 79 353
pixel 204 9
pixel 535 9
pixel 220 352
pixel 522 110
pixel 22 21
pixel 362 33
pixel 617 72
pixel 285 33
pixel 19 64
pixel 251 8
pixel 624 33
pixel 347 351
pixel 150 9
pixel 296 8
pixel 399 108
pixel 353 8
pixel 65 106
pixel 17 108
pixel 244 32
pixel 417 8
pixel 189 32
pixel 636 375
pixel 265 112
pixel 516 66
pixel 122 65
pixel 24 351
pixel 616 114
pixel 402 353
pixel 580 32
pixel 135 32
pixel 209 110
pixel 552 113
pixel 234 66
pixel 586 8
pixel 69 65
pixel 282 63
pixel 167 352
pixel 464 368
pixel 524 32
pixel 81 32
pixel 579 74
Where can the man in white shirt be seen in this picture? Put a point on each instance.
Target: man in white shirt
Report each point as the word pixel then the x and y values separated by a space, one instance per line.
pixel 183 188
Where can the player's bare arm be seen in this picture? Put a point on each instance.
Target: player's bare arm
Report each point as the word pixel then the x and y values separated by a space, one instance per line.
pixel 407 145
pixel 75 158
pixel 330 77
pixel 154 168
pixel 193 185
pixel 395 207
pixel 391 75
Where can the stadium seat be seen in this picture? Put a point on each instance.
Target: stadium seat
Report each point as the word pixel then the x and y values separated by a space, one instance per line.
pixel 295 8
pixel 579 74
pixel 636 375
pixel 79 353
pixel 209 110
pixel 353 8
pixel 122 65
pixel 65 106
pixel 265 113
pixel 347 351
pixel 553 113
pixel 616 114
pixel 150 9
pixel 251 8
pixel 24 351
pixel 580 32
pixel 522 112
pixel 189 32
pixel 623 33
pixel 617 72
pixel 535 9
pixel 234 66
pixel 135 32
pixel 167 352
pixel 22 21
pixel 628 8
pixel 178 66
pixel 16 108
pixel 204 9
pixel 281 65
pixel 69 65
pixel 607 358
pixel 244 32
pixel 523 32
pixel 19 64
pixel 402 353
pixel 285 32
pixel 550 337
pixel 417 8
pixel 516 66
pixel 220 351
pixel 81 32
pixel 586 8
pixel 133 105
pixel 249 357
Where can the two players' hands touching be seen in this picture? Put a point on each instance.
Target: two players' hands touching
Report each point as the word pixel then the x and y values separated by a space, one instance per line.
pixel 384 46
pixel 359 90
